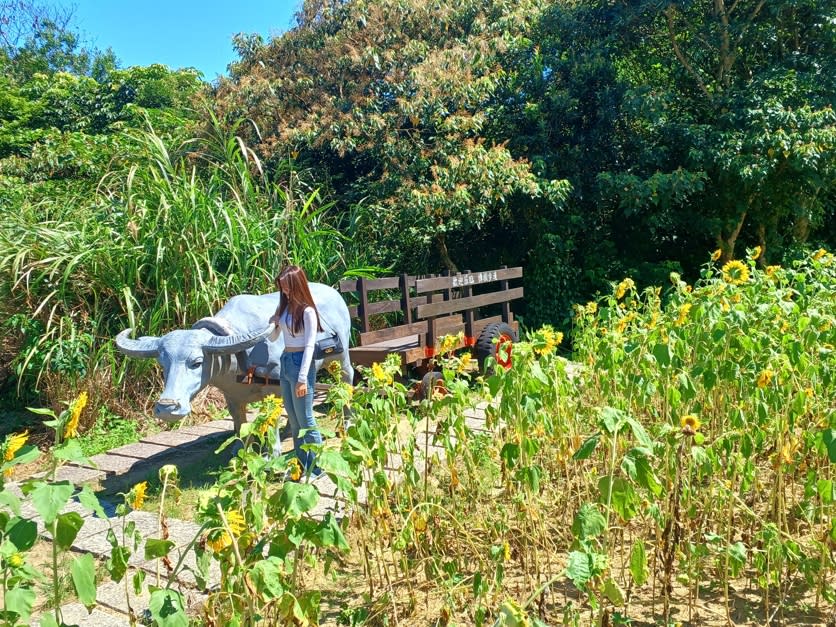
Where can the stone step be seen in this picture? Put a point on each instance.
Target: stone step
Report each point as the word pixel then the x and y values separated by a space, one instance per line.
pixel 77 614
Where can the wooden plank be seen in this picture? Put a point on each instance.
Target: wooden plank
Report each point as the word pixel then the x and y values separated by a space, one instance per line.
pixel 466 278
pixel 363 356
pixel 383 306
pixel 461 304
pixel 383 335
pixel 382 283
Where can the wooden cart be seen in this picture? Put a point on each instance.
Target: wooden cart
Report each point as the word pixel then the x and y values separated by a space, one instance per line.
pixel 408 315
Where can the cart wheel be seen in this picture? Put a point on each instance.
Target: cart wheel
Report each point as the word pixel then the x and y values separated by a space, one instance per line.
pixel 431 382
pixel 500 349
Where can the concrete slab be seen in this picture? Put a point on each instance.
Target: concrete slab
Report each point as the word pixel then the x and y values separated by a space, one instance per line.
pixel 114 464
pixel 141 450
pixel 171 438
pixel 77 614
pixel 113 596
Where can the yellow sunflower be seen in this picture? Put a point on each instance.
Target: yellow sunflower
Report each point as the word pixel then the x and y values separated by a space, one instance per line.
pixel 683 314
pixel 219 542
pixel 716 254
pixel 295 469
pixel 138 495
pixel 756 252
pixel 275 406
pixel 764 378
pixel 622 288
pixel 71 428
pixel 236 522
pixel 13 444
pixel 690 424
pixel 735 272
pixel 380 375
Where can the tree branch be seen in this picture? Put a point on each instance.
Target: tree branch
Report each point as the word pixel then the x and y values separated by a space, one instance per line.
pixel 669 11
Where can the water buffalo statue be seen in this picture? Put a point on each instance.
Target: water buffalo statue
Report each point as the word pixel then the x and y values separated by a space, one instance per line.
pixel 220 349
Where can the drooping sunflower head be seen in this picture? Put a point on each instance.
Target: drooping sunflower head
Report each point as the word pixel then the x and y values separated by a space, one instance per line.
pixel 765 377
pixel 622 288
pixel 735 272
pixel 716 254
pixel 684 309
pixel 71 427
pixel 236 522
pixel 13 444
pixel 219 541
pixel 137 495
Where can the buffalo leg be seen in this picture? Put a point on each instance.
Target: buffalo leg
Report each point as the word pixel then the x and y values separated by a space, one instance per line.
pixel 238 413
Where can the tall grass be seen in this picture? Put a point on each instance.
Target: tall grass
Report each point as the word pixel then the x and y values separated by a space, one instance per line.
pixel 172 232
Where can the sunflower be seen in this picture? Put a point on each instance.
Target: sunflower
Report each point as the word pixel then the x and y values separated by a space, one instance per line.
pixel 622 288
pixel 735 272
pixel 138 495
pixel 13 444
pixel 821 252
pixel 380 375
pixel 764 378
pixel 716 254
pixel 464 362
pixel 690 424
pixel 592 308
pixel 219 542
pixel 272 418
pixel 295 469
pixel 683 314
pixel 756 252
pixel 551 339
pixel 71 428
pixel 334 368
pixel 236 522
pixel 771 270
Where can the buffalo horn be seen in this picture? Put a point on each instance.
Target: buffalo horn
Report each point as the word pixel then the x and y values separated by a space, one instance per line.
pixel 146 346
pixel 228 344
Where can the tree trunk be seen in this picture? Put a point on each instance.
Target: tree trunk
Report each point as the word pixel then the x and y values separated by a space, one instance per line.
pixel 761 260
pixel 445 254
pixel 726 242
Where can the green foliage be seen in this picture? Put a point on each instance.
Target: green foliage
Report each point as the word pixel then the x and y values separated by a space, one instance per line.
pixel 108 432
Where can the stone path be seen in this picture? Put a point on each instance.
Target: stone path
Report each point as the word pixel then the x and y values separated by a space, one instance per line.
pixel 118 470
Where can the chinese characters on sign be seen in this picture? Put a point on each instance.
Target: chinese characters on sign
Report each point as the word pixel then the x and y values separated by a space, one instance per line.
pixel 461 280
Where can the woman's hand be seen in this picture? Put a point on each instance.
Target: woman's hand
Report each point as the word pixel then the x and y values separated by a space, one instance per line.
pixel 274 319
pixel 301 390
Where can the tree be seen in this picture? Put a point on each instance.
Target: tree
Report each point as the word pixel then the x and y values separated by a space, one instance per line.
pixel 389 99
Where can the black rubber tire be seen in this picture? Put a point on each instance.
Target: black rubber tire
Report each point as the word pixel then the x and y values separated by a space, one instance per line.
pixel 485 346
pixel 429 381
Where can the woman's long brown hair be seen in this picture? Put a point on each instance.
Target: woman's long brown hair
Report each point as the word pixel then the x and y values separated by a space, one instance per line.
pixel 296 295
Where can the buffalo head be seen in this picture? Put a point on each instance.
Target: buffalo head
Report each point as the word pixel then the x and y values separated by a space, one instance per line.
pixel 186 357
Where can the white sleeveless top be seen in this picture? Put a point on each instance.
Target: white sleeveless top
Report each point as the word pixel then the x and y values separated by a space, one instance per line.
pixel 305 340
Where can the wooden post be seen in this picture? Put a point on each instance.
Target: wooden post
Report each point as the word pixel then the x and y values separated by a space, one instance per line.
pixel 469 317
pixel 406 305
pixel 506 305
pixel 363 305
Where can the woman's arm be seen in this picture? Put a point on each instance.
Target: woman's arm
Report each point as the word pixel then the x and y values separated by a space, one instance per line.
pixel 310 341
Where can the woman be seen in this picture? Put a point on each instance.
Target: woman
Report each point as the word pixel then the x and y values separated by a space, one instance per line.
pixel 298 320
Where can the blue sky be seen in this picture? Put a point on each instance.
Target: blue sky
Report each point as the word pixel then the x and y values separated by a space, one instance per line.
pixel 178 33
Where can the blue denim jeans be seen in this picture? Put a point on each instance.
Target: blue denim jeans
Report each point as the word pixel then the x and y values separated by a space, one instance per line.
pixel 299 410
